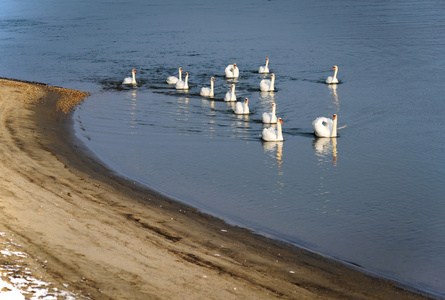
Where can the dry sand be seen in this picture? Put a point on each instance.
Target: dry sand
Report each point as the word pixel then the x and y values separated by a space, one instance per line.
pixel 98 236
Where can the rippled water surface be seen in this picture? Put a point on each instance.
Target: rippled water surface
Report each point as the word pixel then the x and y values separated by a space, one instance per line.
pixel 373 196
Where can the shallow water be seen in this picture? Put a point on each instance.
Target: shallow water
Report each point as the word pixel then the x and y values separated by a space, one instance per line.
pixel 372 197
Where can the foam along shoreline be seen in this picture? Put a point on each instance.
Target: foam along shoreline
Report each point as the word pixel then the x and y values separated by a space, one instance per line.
pixel 92 234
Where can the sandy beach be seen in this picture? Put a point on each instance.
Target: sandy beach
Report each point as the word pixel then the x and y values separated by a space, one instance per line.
pixel 95 235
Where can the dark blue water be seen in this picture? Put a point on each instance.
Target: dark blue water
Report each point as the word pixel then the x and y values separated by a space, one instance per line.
pixel 373 196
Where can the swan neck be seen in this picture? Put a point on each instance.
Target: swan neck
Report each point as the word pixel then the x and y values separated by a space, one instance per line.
pixel 334 128
pixel 272 83
pixel 134 77
pixel 273 110
pixel 180 75
pixel 335 73
pixel 279 130
pixel 267 64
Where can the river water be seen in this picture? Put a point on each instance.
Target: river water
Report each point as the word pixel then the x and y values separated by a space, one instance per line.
pixel 372 197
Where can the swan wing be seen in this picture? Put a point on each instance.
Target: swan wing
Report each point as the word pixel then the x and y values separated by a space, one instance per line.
pixel 263 70
pixel 127 80
pixel 227 97
pixel 239 108
pixel 205 92
pixel 322 127
pixel 180 85
pixel 265 85
pixel 172 79
pixel 229 71
pixel 269 134
pixel 267 117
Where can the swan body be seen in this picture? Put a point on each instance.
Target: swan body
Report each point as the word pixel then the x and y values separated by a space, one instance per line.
pixel 174 79
pixel 334 79
pixel 264 69
pixel 267 85
pixel 270 118
pixel 230 96
pixel 132 79
pixel 242 108
pixel 232 71
pixel 271 134
pixel 208 92
pixel 325 127
pixel 183 85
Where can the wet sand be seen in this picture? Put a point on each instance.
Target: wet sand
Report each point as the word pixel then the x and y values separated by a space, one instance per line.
pixel 98 236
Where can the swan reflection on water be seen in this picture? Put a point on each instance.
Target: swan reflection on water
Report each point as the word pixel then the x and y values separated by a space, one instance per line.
pixel 333 91
pixel 325 147
pixel 267 97
pixel 274 150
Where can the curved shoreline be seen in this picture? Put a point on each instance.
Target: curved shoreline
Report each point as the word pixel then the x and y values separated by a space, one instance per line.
pixel 98 235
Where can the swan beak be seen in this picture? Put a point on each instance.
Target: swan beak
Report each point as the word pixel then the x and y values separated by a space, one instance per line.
pixel 281 121
pixel 334 117
pixel 333 68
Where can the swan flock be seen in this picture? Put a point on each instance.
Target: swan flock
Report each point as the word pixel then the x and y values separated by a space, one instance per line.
pixel 322 126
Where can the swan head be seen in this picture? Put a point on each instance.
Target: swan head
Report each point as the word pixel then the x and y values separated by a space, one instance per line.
pixel 246 100
pixel 212 79
pixel 335 67
pixel 180 69
pixel 234 65
pixel 133 71
pixel 279 120
pixel 267 58
pixel 272 75
pixel 273 104
pixel 186 74
pixel 334 117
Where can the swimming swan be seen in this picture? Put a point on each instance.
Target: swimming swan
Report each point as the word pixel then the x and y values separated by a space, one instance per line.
pixel 265 69
pixel 334 79
pixel 273 135
pixel 232 71
pixel 183 85
pixel 208 92
pixel 132 79
pixel 174 79
pixel 267 85
pixel 242 109
pixel 324 127
pixel 270 118
pixel 230 96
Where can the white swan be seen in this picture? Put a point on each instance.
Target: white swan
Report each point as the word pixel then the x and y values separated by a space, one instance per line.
pixel 270 118
pixel 273 135
pixel 267 85
pixel 174 79
pixel 324 127
pixel 183 85
pixel 208 92
pixel 265 69
pixel 334 79
pixel 242 109
pixel 230 96
pixel 132 79
pixel 232 71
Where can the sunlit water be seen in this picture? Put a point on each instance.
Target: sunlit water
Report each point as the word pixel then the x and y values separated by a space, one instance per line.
pixel 373 197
